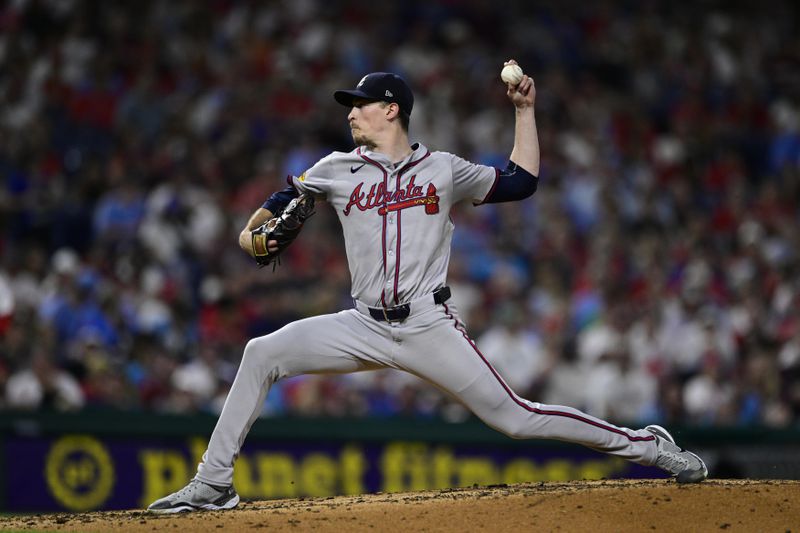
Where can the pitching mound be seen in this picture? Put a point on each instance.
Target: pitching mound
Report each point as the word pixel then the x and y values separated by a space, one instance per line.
pixel 578 506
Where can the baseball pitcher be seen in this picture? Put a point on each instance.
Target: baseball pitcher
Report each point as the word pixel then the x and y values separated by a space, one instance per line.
pixel 393 199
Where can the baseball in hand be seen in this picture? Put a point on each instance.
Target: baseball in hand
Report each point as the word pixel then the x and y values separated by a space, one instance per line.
pixel 511 74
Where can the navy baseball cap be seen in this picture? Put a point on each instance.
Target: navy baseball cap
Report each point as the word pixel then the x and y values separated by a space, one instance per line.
pixel 379 86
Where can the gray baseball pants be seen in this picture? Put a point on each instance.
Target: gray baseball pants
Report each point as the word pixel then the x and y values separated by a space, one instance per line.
pixel 432 344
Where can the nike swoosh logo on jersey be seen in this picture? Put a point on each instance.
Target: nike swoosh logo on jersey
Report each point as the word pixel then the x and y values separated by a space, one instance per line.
pixel 355 169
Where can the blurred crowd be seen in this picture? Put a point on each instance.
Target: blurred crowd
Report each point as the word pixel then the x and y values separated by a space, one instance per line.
pixel 654 276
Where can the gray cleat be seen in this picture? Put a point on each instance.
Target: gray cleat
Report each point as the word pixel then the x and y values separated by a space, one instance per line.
pixel 684 465
pixel 196 496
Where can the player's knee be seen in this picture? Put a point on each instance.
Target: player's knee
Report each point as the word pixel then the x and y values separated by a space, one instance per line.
pixel 260 352
pixel 251 351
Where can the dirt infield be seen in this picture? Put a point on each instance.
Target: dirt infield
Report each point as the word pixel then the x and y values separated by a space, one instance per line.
pixel 577 506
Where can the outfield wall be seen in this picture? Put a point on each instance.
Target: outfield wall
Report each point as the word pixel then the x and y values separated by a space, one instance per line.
pixel 112 460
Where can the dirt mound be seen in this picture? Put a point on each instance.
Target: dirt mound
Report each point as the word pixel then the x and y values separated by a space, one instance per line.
pixel 640 505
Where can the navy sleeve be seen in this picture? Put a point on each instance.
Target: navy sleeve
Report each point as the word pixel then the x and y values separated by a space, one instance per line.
pixel 280 199
pixel 513 183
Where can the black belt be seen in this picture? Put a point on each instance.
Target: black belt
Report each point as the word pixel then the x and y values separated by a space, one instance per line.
pixel 401 312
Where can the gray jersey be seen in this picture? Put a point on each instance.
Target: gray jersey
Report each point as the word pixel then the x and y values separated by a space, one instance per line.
pixel 395 218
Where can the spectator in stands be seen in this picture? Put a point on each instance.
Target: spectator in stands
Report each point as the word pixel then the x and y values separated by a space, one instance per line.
pixel 515 351
pixel 43 386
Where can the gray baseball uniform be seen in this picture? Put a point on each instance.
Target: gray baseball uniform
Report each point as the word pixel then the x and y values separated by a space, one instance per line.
pixel 397 230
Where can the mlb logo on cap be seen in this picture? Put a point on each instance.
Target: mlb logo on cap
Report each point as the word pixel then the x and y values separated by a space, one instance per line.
pixel 379 86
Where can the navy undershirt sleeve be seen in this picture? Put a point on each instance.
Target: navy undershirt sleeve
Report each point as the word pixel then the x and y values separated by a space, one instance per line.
pixel 280 199
pixel 513 183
